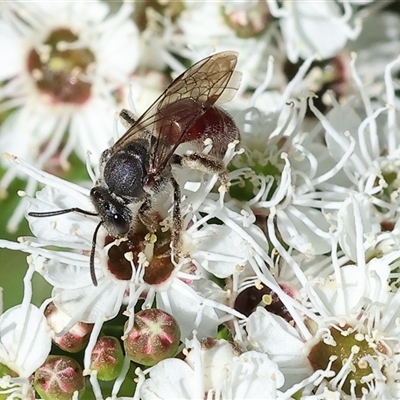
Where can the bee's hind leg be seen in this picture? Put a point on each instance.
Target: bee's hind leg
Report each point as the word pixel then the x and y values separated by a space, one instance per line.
pixel 205 163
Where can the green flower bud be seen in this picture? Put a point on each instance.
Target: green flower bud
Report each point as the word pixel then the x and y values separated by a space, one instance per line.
pixel 107 358
pixel 154 337
pixel 58 378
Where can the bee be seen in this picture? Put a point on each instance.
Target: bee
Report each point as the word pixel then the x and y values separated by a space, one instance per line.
pixel 139 165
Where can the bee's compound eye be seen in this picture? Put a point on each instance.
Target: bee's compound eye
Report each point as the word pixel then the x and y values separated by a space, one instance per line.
pixel 121 225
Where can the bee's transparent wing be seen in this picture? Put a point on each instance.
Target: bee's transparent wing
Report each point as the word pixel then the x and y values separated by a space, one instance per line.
pixel 186 99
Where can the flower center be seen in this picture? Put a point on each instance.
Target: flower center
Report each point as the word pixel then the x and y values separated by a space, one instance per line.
pixel 249 299
pixel 144 11
pixel 340 347
pixel 326 76
pixel 250 22
pixel 159 269
pixel 390 192
pixel 264 162
pixel 60 67
pixel 118 264
pixel 158 255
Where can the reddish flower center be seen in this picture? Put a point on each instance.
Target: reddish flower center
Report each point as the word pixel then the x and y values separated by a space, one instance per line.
pixel 250 22
pixel 248 300
pixel 160 266
pixel 60 67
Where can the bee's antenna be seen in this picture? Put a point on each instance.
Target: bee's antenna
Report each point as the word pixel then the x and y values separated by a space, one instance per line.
pixel 60 212
pixel 84 212
pixel 92 270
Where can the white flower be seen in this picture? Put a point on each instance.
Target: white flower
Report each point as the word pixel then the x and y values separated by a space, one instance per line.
pixel 349 305
pixel 376 47
pixel 25 343
pixel 212 249
pixel 355 215
pixel 139 267
pixel 212 246
pixel 210 26
pixel 214 370
pixel 278 178
pixel 125 269
pixel 65 66
pixel 310 27
pixel 281 342
pixel 373 137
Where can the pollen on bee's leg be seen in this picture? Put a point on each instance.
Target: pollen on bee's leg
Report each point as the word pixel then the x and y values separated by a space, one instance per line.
pixel 223 189
pixel 176 243
pixel 176 236
pixel 176 229
pixel 225 182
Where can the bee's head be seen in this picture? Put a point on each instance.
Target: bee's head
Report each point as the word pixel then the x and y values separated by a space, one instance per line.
pixel 116 216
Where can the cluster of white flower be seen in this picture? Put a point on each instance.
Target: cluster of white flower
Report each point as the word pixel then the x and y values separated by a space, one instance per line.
pixel 286 286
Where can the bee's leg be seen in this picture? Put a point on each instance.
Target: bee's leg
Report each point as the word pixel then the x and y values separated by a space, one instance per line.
pixel 176 230
pixel 147 216
pixel 149 219
pixel 205 163
pixel 127 118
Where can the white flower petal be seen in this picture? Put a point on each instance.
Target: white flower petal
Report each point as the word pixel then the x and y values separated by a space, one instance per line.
pixel 63 271
pixel 313 29
pixel 11 52
pixel 187 307
pixel 91 303
pixel 93 127
pixel 115 60
pixel 216 359
pixel 253 376
pixel 355 224
pixel 272 335
pixel 345 119
pixel 356 284
pixel 30 136
pixel 66 228
pixel 304 228
pixel 169 379
pixel 213 247
pixel 24 339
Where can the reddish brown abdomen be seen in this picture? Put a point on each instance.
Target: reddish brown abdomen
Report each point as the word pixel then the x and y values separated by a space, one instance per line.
pixel 216 124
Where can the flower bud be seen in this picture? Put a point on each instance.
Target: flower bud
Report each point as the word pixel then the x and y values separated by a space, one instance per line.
pixel 154 337
pixel 76 338
pixel 107 358
pixel 58 378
